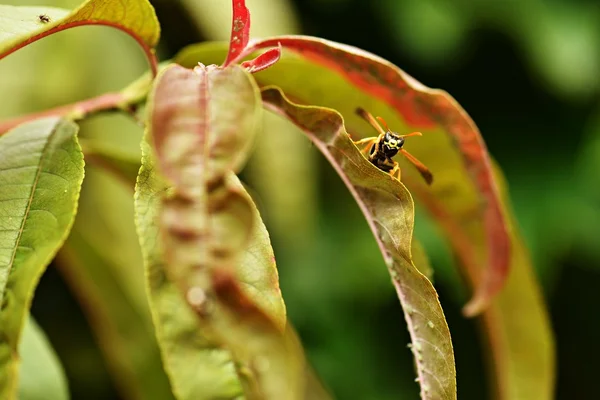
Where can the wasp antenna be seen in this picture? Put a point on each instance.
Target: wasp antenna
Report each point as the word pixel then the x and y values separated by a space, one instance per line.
pixel 364 114
pixel 423 170
pixel 385 125
pixel 412 134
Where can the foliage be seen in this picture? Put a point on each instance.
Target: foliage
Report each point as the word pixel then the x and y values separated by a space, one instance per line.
pixel 210 321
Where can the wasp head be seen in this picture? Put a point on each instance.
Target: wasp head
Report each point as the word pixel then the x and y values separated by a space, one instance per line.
pixel 392 143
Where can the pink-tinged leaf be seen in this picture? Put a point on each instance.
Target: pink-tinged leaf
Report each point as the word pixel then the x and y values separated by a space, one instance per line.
pixel 435 113
pixel 208 244
pixel 264 61
pixel 240 31
pixel 389 210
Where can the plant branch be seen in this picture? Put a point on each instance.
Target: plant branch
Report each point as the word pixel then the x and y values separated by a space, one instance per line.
pixel 107 102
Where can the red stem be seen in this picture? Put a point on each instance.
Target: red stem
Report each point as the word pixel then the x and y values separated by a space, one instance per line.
pixel 103 102
pixel 108 101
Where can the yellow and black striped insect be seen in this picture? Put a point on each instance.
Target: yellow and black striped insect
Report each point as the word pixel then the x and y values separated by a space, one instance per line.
pixel 381 149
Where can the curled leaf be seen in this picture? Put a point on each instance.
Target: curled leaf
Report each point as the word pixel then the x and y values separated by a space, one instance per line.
pixel 240 31
pixel 264 61
pixel 389 210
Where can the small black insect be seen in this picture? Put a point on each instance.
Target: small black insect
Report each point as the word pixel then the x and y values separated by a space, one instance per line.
pixel 43 18
pixel 382 148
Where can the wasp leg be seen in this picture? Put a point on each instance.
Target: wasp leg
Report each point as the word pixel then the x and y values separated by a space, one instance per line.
pixel 368 142
pixel 396 172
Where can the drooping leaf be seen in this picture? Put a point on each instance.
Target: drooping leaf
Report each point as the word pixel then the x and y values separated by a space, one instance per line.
pixel 389 210
pixel 41 171
pixel 343 77
pixel 110 285
pixel 41 374
pixel 22 25
pixel 211 241
pixel 197 367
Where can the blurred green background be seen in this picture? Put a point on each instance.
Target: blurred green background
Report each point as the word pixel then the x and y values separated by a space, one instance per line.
pixel 528 73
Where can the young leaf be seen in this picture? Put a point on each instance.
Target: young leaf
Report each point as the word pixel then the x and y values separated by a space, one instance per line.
pixel 23 25
pixel 41 374
pixel 110 285
pixel 389 210
pixel 41 171
pixel 240 30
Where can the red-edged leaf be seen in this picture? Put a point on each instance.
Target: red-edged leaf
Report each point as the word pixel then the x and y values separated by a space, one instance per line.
pixel 24 25
pixel 264 61
pixel 422 109
pixel 389 210
pixel 240 31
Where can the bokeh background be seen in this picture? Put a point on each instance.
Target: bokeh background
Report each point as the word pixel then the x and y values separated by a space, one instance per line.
pixel 528 73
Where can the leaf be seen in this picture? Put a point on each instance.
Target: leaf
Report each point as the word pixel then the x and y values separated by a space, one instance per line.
pixel 196 230
pixel 344 78
pixel 201 95
pixel 264 61
pixel 23 25
pixel 42 375
pixel 197 368
pixel 110 285
pixel 389 210
pixel 240 30
pixel 41 171
pixel 522 343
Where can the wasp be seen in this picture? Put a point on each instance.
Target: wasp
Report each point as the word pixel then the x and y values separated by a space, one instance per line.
pixel 381 149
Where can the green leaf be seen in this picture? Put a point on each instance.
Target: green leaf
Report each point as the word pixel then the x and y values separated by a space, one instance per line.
pixel 205 246
pixel 41 374
pixel 22 25
pixel 41 171
pixel 110 285
pixel 521 343
pixel 197 368
pixel 389 209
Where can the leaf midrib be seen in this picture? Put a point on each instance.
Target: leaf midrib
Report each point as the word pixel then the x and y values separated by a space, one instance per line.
pixel 38 173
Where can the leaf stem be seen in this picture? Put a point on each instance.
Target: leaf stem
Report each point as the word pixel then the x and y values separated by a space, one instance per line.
pixel 107 102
